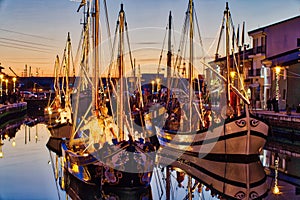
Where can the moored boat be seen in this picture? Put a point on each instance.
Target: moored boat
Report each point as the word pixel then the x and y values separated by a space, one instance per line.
pixel 59 112
pixel 103 146
pixel 217 130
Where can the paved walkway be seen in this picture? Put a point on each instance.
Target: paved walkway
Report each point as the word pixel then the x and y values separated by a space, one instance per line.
pixel 287 191
pixel 272 113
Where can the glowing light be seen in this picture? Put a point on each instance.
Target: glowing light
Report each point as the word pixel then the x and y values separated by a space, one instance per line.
pixel 276 189
pixel 75 168
pixel 152 82
pixel 232 74
pixel 277 69
pixel 1 77
pixel 14 81
pixel 6 136
pixel 1 154
pixel 277 73
pixel 6 86
pixel 13 143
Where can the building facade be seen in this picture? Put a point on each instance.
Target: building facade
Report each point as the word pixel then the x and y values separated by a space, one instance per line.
pixel 275 72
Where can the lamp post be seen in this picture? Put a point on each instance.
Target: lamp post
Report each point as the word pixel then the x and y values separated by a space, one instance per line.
pixel 1 91
pixel 277 73
pixel 277 91
pixel 14 81
pixel 232 75
pixel 152 86
pixel 158 84
pixel 6 86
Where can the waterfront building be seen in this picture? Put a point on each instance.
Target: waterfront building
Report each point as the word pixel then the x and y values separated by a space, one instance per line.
pixel 275 68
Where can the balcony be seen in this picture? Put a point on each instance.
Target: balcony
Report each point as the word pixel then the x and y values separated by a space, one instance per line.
pixel 259 50
pixel 254 72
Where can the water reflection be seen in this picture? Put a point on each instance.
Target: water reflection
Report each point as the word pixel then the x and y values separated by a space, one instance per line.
pixel 28 172
pixel 24 170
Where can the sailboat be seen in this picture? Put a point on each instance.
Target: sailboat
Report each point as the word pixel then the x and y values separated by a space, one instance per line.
pixel 60 111
pixel 220 151
pixel 99 152
pixel 227 134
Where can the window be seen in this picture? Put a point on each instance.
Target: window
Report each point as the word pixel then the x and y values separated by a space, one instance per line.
pixel 298 42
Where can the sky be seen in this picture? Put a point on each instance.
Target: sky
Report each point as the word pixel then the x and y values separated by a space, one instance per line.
pixel 33 32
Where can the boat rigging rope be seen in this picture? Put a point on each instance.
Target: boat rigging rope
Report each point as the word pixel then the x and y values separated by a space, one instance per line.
pixel 221 32
pixel 109 79
pixel 107 24
pixel 129 49
pixel 162 50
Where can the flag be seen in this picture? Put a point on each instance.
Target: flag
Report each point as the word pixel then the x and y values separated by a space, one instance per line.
pixel 238 36
pixel 243 34
pixel 83 2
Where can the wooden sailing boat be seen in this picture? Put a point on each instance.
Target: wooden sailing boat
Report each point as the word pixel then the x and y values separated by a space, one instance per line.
pixel 243 135
pixel 224 155
pixel 60 113
pixel 99 152
pixel 51 111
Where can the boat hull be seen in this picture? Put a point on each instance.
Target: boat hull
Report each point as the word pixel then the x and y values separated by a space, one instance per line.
pixel 117 169
pixel 235 136
pixel 61 130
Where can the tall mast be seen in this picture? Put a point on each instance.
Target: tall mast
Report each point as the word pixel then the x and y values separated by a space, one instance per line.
pixel 121 73
pixel 96 52
pixel 227 30
pixel 68 71
pixel 56 83
pixel 191 61
pixel 191 41
pixel 169 57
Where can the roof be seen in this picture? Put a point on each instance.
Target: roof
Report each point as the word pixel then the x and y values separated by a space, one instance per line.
pixel 262 28
pixel 286 58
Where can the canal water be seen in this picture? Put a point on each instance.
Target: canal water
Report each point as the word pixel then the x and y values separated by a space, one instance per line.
pixel 27 172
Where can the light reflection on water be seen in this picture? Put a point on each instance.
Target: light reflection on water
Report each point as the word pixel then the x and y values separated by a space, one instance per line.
pixel 26 171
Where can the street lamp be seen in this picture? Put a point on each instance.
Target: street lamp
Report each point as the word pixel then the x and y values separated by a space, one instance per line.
pixel 158 84
pixel 277 91
pixel 152 86
pixel 14 81
pixel 1 77
pixel 277 73
pixel 6 86
pixel 232 75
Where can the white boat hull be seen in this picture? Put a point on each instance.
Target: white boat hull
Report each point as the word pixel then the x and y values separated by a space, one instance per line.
pixel 236 137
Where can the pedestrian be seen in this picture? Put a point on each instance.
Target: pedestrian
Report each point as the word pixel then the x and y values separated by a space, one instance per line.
pixel 269 104
pixel 274 103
